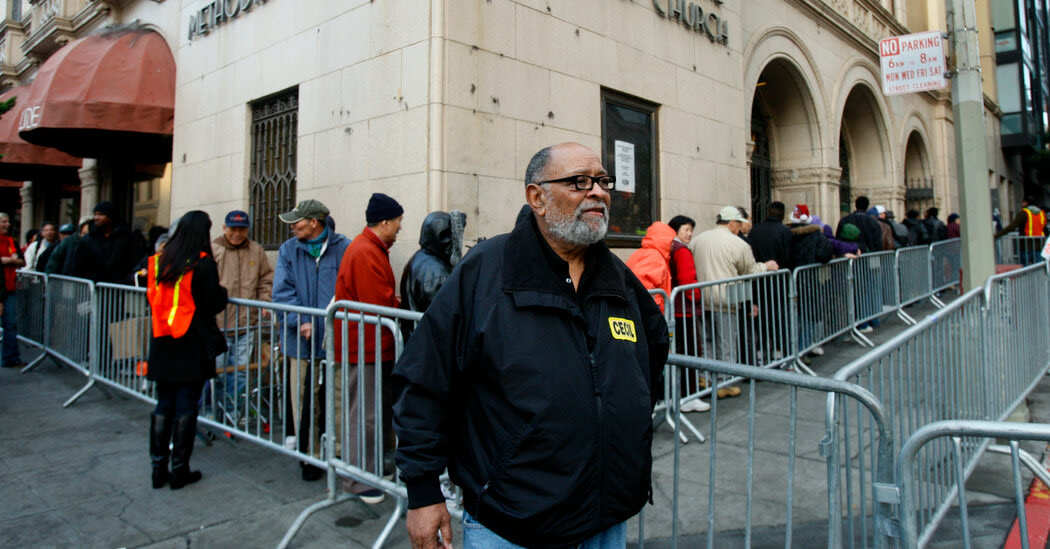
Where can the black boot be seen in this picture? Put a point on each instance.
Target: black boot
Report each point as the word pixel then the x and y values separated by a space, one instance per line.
pixel 159 436
pixel 182 448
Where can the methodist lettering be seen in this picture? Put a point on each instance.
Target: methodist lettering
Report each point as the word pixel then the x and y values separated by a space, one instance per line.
pixel 693 16
pixel 216 13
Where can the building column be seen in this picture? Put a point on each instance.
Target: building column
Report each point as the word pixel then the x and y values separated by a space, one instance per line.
pixel 89 191
pixel 27 217
pixel 809 186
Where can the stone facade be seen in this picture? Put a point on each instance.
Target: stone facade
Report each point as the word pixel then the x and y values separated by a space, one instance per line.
pixel 441 103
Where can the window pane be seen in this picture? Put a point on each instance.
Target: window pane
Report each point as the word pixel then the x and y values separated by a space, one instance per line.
pixel 272 175
pixel 628 152
pixel 1007 78
pixel 1003 15
pixel 1005 41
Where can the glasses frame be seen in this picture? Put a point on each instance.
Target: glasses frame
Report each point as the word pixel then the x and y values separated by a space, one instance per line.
pixel 575 180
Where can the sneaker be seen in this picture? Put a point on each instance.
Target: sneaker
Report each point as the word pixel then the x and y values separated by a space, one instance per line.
pixel 728 392
pixel 817 351
pixel 696 405
pixel 289 442
pixel 866 330
pixel 372 497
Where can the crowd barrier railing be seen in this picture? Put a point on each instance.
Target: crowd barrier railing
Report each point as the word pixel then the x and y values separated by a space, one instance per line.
pixel 359 407
pixel 30 314
pixel 915 478
pixel 913 271
pixel 764 463
pixel 821 318
pixel 875 289
pixel 945 267
pixel 975 359
pixel 1015 249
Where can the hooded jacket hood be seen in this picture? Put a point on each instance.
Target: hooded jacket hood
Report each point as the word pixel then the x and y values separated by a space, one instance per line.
pixel 658 237
pixel 437 236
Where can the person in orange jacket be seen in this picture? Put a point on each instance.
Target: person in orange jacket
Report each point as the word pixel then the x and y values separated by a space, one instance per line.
pixel 365 276
pixel 652 262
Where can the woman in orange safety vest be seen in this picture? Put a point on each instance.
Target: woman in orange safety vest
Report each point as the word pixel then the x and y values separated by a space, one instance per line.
pixel 184 295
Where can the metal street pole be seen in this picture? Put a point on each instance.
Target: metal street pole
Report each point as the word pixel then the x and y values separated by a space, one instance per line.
pixel 971 156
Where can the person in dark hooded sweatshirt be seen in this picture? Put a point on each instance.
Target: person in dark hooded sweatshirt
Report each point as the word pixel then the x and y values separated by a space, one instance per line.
pixel 110 251
pixel 440 248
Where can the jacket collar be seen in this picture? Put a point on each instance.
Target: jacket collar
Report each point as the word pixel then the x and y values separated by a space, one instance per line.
pixel 372 237
pixel 527 269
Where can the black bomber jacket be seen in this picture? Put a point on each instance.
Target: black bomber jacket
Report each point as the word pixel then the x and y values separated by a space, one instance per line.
pixel 537 397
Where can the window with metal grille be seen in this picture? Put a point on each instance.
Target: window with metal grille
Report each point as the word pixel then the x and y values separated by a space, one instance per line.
pixel 275 130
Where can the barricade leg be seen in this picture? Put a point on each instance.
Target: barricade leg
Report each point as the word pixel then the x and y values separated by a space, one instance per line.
pixel 36 362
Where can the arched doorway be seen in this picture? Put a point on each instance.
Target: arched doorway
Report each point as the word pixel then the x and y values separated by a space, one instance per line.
pixel 785 135
pixel 918 182
pixel 761 164
pixel 845 190
pixel 863 149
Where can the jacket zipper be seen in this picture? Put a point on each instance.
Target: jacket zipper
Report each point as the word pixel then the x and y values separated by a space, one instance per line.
pixel 601 429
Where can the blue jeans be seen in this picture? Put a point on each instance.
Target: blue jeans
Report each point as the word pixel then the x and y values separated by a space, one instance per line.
pixel 476 536
pixel 9 353
pixel 239 353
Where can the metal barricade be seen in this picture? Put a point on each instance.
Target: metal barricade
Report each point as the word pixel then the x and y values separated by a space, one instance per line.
pixel 874 278
pixel 742 320
pixel 358 406
pixel 123 339
pixel 945 267
pixel 1014 249
pixel 976 358
pixel 822 306
pixel 1016 335
pixel 913 273
pixel 749 475
pixel 30 308
pixel 920 479
pixel 70 314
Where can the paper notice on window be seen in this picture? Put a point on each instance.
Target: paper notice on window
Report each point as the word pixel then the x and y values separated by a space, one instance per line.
pixel 624 152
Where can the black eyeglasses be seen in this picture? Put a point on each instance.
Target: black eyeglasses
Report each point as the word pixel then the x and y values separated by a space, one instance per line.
pixel 585 182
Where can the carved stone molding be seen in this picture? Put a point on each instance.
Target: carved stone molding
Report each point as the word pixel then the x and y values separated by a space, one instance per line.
pixel 801 177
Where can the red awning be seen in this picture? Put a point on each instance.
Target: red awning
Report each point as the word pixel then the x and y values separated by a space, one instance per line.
pixel 110 95
pixel 22 161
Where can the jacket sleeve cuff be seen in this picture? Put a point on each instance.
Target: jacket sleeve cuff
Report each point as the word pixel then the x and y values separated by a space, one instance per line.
pixel 423 492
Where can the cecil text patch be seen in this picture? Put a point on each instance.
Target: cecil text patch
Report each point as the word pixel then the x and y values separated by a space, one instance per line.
pixel 622 329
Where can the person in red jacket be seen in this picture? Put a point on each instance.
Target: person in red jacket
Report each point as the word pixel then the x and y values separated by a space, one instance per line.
pixel 688 337
pixel 365 276
pixel 10 260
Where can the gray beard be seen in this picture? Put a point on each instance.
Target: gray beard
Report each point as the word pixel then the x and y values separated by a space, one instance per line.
pixel 572 229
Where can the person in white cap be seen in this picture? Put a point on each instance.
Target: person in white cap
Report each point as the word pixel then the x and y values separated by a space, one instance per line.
pixel 720 254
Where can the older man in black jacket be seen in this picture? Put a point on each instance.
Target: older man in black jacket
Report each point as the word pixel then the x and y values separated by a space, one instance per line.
pixel 533 375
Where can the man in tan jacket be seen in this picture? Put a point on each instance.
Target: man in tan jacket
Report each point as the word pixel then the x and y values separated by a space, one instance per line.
pixel 720 254
pixel 246 273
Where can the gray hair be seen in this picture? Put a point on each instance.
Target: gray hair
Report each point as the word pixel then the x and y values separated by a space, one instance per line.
pixel 537 165
pixel 4 216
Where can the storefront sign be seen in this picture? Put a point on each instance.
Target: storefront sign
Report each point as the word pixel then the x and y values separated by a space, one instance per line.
pixel 694 17
pixel 216 13
pixel 30 118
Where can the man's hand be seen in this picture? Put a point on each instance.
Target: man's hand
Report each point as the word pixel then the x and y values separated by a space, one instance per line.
pixel 425 523
pixel 772 265
pixel 306 330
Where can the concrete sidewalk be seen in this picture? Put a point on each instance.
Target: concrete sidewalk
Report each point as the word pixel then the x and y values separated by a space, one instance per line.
pixel 79 477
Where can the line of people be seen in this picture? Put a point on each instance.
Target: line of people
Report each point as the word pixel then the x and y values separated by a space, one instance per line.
pixel 746 322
